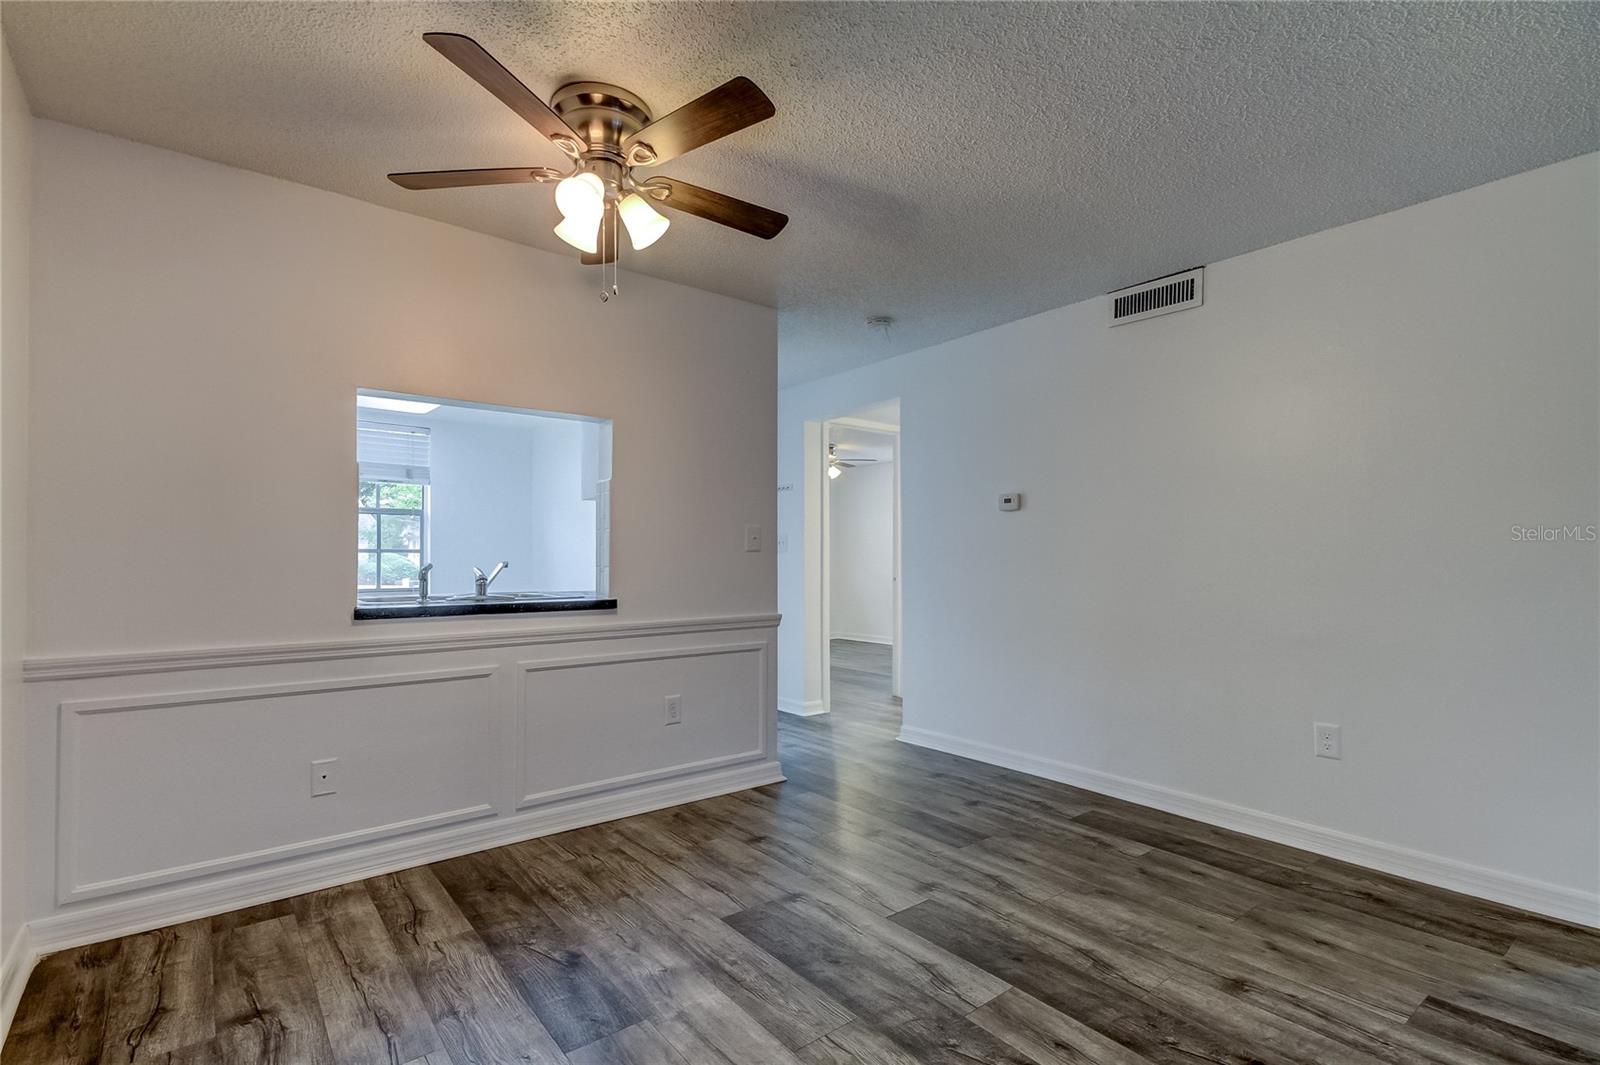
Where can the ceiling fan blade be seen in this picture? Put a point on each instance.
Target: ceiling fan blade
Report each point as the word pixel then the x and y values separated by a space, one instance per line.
pixel 726 109
pixel 738 214
pixel 460 179
pixel 486 70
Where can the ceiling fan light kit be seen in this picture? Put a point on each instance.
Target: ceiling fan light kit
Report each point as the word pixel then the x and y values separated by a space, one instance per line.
pixel 644 223
pixel 607 131
pixel 581 199
pixel 580 196
pixel 581 233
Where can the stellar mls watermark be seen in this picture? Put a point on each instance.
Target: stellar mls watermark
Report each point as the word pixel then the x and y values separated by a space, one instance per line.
pixel 1554 534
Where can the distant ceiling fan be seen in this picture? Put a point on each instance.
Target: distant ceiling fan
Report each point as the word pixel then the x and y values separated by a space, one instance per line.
pixel 836 465
pixel 607 131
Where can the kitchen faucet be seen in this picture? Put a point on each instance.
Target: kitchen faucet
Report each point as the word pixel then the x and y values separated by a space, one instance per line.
pixel 480 583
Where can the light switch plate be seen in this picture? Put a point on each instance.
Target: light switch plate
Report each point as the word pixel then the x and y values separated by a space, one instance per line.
pixel 1011 501
pixel 674 709
pixel 752 538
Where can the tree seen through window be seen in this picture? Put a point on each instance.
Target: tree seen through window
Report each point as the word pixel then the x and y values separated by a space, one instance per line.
pixel 389 534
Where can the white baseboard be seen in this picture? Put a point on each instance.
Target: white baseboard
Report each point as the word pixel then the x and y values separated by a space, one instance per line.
pixel 1553 900
pixel 857 637
pixel 809 708
pixel 77 925
pixel 15 966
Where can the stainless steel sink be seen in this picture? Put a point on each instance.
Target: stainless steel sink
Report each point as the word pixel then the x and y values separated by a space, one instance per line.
pixel 465 597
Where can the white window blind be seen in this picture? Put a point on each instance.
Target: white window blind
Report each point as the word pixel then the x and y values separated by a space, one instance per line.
pixel 392 452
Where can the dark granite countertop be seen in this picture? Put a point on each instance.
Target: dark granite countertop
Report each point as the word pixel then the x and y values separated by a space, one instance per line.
pixel 455 608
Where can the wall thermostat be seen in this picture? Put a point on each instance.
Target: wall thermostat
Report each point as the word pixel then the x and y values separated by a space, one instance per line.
pixel 1011 501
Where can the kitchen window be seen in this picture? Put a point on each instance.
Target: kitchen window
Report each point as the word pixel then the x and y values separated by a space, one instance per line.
pixel 391 523
pixel 391 505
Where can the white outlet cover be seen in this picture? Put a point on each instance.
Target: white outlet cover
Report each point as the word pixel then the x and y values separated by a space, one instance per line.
pixel 1329 741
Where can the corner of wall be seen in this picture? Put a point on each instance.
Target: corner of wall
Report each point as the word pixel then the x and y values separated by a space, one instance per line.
pixel 16 964
pixel 16 205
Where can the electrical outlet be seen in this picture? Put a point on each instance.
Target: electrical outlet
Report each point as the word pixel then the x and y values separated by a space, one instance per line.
pixel 1329 743
pixel 674 709
pixel 752 538
pixel 324 776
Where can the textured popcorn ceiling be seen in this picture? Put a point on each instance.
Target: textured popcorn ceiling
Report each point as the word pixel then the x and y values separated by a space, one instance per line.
pixel 954 165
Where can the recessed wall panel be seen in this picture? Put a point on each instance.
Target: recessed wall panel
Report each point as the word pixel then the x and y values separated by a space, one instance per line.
pixel 600 722
pixel 164 787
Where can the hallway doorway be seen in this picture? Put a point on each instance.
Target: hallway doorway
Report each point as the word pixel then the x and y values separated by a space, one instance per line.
pixel 859 519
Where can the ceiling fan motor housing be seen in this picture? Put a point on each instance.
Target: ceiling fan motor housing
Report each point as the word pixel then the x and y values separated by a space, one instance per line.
pixel 604 116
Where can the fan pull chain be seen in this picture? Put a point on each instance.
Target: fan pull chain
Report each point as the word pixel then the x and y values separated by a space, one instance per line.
pixel 604 295
pixel 609 243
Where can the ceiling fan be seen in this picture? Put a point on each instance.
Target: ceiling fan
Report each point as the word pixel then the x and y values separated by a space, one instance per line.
pixel 606 132
pixel 836 465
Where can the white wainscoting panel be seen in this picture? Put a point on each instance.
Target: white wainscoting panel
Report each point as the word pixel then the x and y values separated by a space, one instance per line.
pixel 123 915
pixel 168 787
pixel 565 704
pixel 178 784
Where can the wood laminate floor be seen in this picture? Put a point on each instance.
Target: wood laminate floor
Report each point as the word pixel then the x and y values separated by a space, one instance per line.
pixel 887 905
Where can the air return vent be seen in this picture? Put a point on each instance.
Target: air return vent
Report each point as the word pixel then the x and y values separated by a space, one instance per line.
pixel 1175 292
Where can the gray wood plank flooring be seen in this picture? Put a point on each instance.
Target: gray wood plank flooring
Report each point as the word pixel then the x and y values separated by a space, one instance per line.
pixel 887 905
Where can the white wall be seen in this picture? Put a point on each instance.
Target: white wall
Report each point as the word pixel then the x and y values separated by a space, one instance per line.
pixel 800 647
pixel 1294 504
pixel 506 487
pixel 16 163
pixel 861 554
pixel 183 313
pixel 185 310
pixel 563 520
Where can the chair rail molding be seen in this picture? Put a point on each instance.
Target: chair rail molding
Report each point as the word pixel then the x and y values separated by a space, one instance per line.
pixel 83 667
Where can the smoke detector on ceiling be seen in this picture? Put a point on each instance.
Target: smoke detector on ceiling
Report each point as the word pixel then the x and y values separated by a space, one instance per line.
pixel 1164 295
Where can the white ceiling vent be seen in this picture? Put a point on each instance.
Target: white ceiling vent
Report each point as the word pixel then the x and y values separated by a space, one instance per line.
pixel 1175 292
